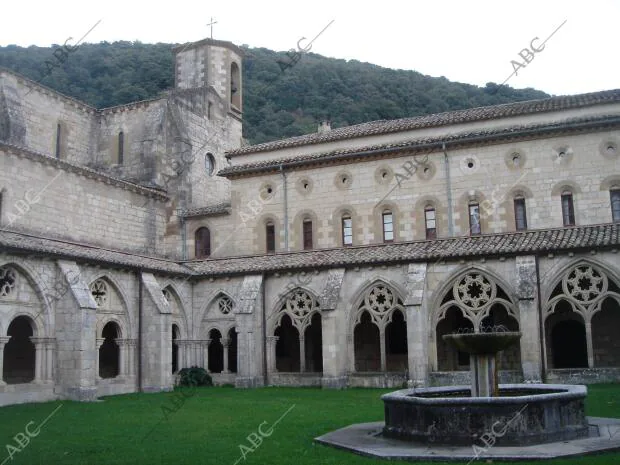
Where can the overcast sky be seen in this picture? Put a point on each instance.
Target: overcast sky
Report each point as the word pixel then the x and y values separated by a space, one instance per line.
pixel 470 41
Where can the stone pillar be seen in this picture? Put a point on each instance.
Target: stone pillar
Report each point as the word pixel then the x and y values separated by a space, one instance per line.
pixel 302 354
pixel 383 353
pixel 3 341
pixel 250 333
pixel 529 319
pixel 416 312
pixel 271 354
pixel 205 348
pixel 483 375
pixel 335 344
pixel 49 357
pixel 39 362
pixel 417 346
pixel 589 344
pixel 131 356
pixel 122 356
pixel 100 342
pixel 225 346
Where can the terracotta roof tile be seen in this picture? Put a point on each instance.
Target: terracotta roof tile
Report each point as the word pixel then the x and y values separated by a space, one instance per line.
pixel 439 119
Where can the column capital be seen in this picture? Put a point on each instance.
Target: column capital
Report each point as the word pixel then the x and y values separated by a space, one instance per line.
pixel 39 340
pixel 225 343
pixel 4 339
pixel 100 341
pixel 273 339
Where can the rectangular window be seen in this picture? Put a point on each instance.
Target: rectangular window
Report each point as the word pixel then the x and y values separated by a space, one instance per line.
pixel 615 205
pixel 347 231
pixel 58 140
pixel 431 224
pixel 474 219
pixel 121 147
pixel 388 227
pixel 307 233
pixel 520 215
pixel 270 231
pixel 568 210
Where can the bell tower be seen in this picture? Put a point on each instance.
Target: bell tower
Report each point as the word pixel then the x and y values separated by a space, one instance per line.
pixel 211 63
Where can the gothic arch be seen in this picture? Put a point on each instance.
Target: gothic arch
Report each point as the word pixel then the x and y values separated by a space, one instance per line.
pixel 378 329
pixel 42 325
pixel 106 307
pixel 581 316
pixel 178 317
pixel 299 315
pixel 122 325
pixel 439 305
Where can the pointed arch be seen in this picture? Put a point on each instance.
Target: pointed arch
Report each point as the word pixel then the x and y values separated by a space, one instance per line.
pixel 179 315
pixel 42 316
pixel 378 328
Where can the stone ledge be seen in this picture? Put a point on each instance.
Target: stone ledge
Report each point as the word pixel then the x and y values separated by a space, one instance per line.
pixel 366 439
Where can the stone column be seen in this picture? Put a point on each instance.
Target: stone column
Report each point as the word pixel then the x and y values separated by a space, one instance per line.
pixel 3 341
pixel 100 342
pixel 271 354
pixel 383 353
pixel 302 354
pixel 122 356
pixel 225 346
pixel 49 357
pixel 131 356
pixel 205 348
pixel 39 362
pixel 589 344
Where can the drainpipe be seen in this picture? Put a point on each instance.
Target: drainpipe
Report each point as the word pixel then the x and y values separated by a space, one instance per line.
pixel 541 325
pixel 265 374
pixel 448 189
pixel 140 295
pixel 285 208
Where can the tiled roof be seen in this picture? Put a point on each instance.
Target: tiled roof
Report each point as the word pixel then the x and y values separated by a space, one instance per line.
pixel 517 243
pixel 439 119
pixel 424 144
pixel 11 241
pixel 212 210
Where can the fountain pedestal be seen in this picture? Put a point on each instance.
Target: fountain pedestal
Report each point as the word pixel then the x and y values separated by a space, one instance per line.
pixel 482 349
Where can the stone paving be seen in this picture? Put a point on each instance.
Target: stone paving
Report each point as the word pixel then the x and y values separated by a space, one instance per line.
pixel 366 439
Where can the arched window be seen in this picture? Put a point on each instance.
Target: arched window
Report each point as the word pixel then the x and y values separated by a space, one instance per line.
pixel 175 348
pixel 121 147
pixel 520 213
pixel 109 352
pixel 270 235
pixel 430 222
pixel 307 234
pixel 615 204
pixel 474 219
pixel 235 85
pixel 203 242
pixel 388 226
pixel 347 230
pixel 568 209
pixel 209 163
pixel 19 353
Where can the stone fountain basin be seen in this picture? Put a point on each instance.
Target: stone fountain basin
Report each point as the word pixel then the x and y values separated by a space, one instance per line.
pixel 523 414
pixel 483 343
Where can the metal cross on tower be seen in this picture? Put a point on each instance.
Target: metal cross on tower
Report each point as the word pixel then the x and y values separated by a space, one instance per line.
pixel 211 25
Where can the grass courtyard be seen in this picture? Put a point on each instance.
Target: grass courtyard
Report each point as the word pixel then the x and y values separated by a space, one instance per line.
pixel 211 426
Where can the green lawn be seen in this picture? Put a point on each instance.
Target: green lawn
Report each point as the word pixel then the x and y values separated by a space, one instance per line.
pixel 211 426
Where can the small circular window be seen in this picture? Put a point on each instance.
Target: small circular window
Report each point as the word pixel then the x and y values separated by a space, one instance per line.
pixel 209 164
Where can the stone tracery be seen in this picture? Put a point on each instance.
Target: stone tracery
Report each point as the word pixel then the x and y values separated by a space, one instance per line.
pixel 99 291
pixel 7 281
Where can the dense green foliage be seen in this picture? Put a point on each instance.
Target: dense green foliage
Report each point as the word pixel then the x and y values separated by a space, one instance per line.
pixel 194 376
pixel 210 426
pixel 279 101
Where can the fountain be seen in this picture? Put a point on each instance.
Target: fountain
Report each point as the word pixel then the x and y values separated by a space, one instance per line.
pixel 527 414
pixel 525 421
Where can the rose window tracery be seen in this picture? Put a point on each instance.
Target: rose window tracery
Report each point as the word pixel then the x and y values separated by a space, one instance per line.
pixel 584 283
pixel 7 281
pixel 474 291
pixel 167 295
pixel 299 304
pixel 225 305
pixel 380 299
pixel 99 291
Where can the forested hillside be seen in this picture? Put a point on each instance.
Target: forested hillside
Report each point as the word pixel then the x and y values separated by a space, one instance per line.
pixel 277 103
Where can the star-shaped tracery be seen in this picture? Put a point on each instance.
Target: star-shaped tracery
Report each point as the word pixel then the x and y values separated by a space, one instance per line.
pixel 300 304
pixel 474 291
pixel 585 283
